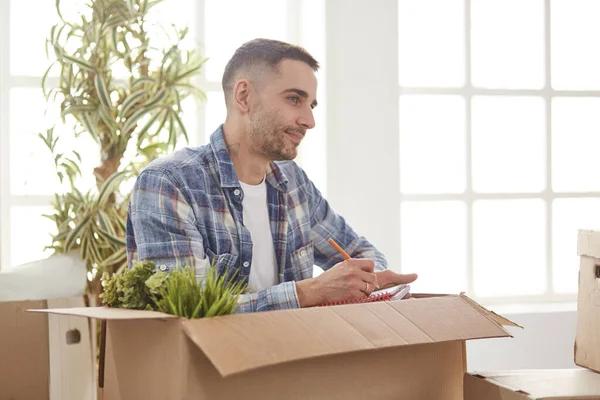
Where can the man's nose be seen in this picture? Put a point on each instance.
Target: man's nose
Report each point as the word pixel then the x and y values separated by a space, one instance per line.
pixel 307 120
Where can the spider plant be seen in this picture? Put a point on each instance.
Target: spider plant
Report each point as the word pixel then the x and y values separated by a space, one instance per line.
pixel 120 87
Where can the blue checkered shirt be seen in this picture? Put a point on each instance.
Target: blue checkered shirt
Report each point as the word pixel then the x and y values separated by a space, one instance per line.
pixel 186 209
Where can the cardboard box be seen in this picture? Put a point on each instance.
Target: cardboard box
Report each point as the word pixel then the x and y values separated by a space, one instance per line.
pixel 546 384
pixel 45 356
pixel 409 349
pixel 587 341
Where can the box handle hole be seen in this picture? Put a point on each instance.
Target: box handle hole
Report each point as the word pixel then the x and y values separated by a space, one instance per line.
pixel 73 336
pixel 598 271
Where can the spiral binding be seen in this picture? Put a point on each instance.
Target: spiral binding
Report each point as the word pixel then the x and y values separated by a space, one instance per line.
pixel 370 299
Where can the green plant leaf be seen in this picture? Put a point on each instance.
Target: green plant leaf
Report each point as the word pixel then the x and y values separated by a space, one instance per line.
pixel 79 62
pixel 102 90
pixel 142 133
pixel 79 228
pixel 110 186
pixel 131 100
pixel 78 108
pixel 111 238
pixel 116 257
pixel 181 126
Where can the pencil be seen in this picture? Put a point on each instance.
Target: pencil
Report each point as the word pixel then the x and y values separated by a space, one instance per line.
pixel 338 248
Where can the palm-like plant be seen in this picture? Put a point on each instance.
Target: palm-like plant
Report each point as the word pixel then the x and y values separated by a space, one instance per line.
pixel 133 118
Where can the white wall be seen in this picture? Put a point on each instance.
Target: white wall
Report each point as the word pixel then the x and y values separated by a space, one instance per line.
pixel 546 341
pixel 363 176
pixel 362 118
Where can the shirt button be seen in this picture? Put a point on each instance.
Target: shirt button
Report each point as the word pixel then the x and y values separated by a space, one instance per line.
pixel 246 264
pixel 236 192
pixel 163 268
pixel 302 253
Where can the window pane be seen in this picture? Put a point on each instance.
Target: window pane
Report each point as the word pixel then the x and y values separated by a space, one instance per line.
pixel 433 244
pixel 509 247
pixel 29 234
pixel 28 33
pixel 575 37
pixel 507 39
pixel 230 23
pixel 509 144
pixel 215 112
pixel 575 144
pixel 31 165
pixel 568 216
pixel 172 12
pixel 432 144
pixel 431 42
pixel 32 168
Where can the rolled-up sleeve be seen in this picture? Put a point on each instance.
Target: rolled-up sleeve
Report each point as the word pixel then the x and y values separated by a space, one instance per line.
pixel 164 225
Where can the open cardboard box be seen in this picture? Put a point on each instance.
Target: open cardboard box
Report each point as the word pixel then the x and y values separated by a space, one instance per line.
pixel 587 341
pixel 546 384
pixel 409 349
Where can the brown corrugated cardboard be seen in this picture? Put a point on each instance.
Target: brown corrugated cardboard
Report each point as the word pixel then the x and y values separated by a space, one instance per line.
pixel 410 349
pixel 572 384
pixel 44 357
pixel 587 341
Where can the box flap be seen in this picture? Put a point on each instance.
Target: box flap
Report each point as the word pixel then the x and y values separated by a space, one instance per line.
pixel 548 383
pixel 588 243
pixel 490 314
pixel 238 343
pixel 106 313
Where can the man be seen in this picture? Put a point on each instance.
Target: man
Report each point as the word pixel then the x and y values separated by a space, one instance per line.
pixel 240 203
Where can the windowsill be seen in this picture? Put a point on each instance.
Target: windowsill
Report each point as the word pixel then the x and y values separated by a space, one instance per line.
pixel 532 308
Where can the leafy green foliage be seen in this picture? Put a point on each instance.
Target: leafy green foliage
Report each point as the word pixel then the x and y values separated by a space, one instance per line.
pixel 177 293
pixel 128 289
pixel 184 296
pixel 120 87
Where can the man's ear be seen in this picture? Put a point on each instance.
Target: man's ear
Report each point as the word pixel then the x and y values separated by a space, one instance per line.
pixel 241 92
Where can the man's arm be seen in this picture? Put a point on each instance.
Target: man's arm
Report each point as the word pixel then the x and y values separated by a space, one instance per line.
pixel 166 233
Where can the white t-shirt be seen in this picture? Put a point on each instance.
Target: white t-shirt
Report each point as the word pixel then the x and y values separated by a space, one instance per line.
pixel 263 272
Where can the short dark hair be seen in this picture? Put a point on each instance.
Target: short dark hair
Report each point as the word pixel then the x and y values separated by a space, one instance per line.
pixel 261 53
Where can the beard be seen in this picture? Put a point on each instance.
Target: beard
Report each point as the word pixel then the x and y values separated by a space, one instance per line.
pixel 269 135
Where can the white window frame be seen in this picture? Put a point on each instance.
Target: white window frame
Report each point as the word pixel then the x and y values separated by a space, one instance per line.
pixel 547 93
pixel 8 82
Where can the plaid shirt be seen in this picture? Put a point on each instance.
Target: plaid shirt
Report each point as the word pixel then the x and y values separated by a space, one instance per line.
pixel 186 209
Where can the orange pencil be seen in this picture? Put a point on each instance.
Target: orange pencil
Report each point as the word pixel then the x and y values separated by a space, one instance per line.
pixel 338 248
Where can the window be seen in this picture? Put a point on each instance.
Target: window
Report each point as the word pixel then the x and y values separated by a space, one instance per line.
pixel 499 126
pixel 26 168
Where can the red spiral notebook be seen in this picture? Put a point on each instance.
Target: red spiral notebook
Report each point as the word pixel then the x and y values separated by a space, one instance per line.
pixel 393 293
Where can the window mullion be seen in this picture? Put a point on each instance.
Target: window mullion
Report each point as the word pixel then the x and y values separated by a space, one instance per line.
pixel 4 134
pixel 470 268
pixel 549 197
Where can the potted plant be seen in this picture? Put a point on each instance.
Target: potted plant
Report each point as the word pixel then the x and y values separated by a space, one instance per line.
pixel 117 86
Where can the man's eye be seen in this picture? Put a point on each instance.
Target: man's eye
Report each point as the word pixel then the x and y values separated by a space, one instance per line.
pixel 294 99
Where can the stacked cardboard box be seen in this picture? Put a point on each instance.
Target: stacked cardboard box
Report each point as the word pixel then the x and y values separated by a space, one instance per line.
pixel 45 357
pixel 558 384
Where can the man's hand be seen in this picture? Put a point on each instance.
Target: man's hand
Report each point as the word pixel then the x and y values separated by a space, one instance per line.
pixel 388 278
pixel 349 280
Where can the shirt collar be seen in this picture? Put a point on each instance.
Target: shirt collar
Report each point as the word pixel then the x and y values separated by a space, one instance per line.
pixel 228 177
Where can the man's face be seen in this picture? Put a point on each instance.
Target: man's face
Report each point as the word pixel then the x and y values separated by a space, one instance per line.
pixel 282 111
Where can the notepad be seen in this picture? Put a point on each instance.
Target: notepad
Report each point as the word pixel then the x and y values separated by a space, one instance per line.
pixel 394 293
